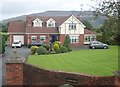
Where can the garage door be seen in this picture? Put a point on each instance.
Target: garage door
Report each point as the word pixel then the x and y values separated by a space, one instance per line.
pixel 18 38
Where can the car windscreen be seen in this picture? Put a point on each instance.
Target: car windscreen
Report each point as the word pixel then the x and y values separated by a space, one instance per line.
pixel 16 43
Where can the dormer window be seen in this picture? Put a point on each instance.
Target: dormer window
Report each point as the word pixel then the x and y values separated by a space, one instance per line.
pixel 50 23
pixel 37 23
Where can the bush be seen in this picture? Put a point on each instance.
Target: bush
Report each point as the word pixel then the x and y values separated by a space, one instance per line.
pixel 46 46
pixel 67 43
pixel 57 42
pixel 58 51
pixel 41 50
pixel 56 47
pixel 2 44
pixel 33 49
pixel 64 49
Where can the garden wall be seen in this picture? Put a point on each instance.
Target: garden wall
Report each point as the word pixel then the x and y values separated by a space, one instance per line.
pixel 19 74
pixel 37 76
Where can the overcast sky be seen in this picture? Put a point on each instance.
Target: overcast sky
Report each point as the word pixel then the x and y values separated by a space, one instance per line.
pixel 13 8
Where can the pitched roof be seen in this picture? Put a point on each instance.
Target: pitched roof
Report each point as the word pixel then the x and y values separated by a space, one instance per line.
pixel 58 19
pixel 89 32
pixel 41 30
pixel 17 26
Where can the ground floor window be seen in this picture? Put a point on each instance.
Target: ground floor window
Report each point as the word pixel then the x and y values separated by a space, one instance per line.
pixel 87 38
pixel 74 39
pixel 33 38
pixel 42 38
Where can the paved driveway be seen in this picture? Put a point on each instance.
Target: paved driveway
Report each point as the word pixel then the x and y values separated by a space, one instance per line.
pixel 22 52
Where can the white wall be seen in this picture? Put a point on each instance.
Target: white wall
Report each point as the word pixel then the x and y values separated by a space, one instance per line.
pixel 65 26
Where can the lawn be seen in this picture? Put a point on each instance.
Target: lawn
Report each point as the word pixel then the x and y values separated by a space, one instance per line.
pixel 98 62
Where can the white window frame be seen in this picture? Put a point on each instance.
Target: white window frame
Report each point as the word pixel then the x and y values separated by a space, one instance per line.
pixel 72 26
pixel 43 37
pixel 74 38
pixel 33 37
pixel 50 23
pixel 87 38
pixel 37 23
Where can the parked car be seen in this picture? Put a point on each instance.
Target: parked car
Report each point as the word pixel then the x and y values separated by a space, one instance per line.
pixel 97 44
pixel 16 44
pixel 36 44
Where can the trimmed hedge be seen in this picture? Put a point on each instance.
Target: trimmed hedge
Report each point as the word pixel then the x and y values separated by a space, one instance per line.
pixel 64 49
pixel 46 46
pixel 33 49
pixel 42 50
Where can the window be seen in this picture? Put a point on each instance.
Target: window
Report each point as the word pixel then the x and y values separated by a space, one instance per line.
pixel 87 38
pixel 50 23
pixel 37 23
pixel 74 39
pixel 93 38
pixel 42 38
pixel 33 38
pixel 72 26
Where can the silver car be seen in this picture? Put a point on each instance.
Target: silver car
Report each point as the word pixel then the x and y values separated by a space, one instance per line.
pixel 97 44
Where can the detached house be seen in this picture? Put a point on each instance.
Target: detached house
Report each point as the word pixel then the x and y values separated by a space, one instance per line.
pixel 49 29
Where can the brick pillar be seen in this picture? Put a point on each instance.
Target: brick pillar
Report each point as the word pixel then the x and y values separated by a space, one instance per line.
pixel 117 79
pixel 14 70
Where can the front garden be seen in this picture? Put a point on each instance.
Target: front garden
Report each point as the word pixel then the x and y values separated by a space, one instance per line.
pixel 99 62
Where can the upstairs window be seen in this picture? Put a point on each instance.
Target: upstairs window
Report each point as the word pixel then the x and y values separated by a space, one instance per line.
pixel 37 23
pixel 72 26
pixel 50 23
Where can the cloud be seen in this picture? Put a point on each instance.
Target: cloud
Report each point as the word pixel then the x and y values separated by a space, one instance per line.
pixel 12 8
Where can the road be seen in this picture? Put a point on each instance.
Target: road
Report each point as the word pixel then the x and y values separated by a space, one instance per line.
pixel 22 52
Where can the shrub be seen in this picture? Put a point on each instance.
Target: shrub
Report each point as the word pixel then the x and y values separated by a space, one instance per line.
pixel 64 49
pixel 67 43
pixel 58 51
pixel 46 46
pixel 57 42
pixel 33 49
pixel 56 47
pixel 41 50
pixel 2 44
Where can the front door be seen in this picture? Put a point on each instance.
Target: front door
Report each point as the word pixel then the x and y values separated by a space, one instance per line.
pixel 53 38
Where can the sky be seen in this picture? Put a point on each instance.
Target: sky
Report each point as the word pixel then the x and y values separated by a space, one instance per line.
pixel 13 8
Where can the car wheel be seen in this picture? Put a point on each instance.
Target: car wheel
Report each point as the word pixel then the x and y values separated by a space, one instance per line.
pixel 93 47
pixel 105 47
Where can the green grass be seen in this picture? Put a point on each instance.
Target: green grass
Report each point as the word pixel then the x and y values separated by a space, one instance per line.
pixel 98 62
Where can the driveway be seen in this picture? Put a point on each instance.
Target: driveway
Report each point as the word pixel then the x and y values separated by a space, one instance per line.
pixel 22 52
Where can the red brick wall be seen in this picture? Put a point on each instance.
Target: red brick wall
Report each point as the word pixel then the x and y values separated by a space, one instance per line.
pixel 25 74
pixel 38 37
pixel 117 81
pixel 36 76
pixel 14 74
pixel 81 40
pixel 62 38
pixel 25 38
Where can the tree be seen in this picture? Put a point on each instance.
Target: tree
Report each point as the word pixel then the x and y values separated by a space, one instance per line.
pixel 107 8
pixel 110 9
pixel 3 27
pixel 110 30
pixel 67 43
pixel 87 24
